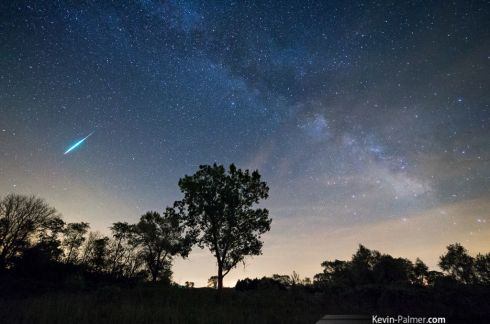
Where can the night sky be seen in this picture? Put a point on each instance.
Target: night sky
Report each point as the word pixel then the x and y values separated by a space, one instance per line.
pixel 368 120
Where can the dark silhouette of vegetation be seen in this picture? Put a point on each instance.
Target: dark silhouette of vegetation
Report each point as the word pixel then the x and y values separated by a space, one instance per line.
pixel 420 272
pixel 217 212
pixel 376 283
pixel 276 282
pixel 125 260
pixel 371 267
pixel 74 236
pixel 23 219
pixel 161 238
pixel 213 282
pixel 95 252
pixel 44 262
pixel 37 243
pixel 482 268
pixel 458 264
pixel 264 283
pixel 218 206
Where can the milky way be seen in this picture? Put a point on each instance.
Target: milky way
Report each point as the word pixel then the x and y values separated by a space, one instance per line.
pixel 369 120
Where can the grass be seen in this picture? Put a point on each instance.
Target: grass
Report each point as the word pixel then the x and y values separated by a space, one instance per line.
pixel 146 303
pixel 163 305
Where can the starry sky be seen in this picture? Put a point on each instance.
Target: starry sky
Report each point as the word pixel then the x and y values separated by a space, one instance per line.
pixel 368 119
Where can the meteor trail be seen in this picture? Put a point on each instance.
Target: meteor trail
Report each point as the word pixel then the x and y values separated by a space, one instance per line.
pixel 77 144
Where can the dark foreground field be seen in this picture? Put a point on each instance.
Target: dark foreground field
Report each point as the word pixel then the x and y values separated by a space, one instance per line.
pixel 170 304
pixel 162 305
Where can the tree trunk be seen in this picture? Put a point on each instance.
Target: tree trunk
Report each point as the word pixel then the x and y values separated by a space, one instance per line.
pixel 116 257
pixel 220 278
pixel 154 273
pixel 220 283
pixel 68 257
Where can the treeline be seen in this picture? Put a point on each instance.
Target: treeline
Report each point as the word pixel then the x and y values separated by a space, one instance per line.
pixel 216 212
pixel 371 268
pixel 35 241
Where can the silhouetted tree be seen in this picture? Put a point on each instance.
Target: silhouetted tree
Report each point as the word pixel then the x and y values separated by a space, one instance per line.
pixel 482 268
pixel 48 243
pixel 434 276
pixel 246 284
pixel 458 263
pixel 295 279
pixel 123 237
pixel 22 218
pixel 264 283
pixel 74 236
pixel 420 272
pixel 387 269
pixel 219 205
pixel 213 282
pixel 96 252
pixel 161 238
pixel 335 273
pixel 362 264
pixel 87 246
pixel 285 280
pixel 52 228
pixel 98 259
pixel 370 267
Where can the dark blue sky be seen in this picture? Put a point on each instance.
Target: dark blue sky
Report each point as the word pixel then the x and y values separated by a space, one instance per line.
pixel 356 113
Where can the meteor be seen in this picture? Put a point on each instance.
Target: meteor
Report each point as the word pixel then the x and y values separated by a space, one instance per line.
pixel 77 144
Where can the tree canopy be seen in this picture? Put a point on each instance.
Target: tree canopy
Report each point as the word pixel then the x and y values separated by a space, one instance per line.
pixel 218 206
pixel 161 237
pixel 23 218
